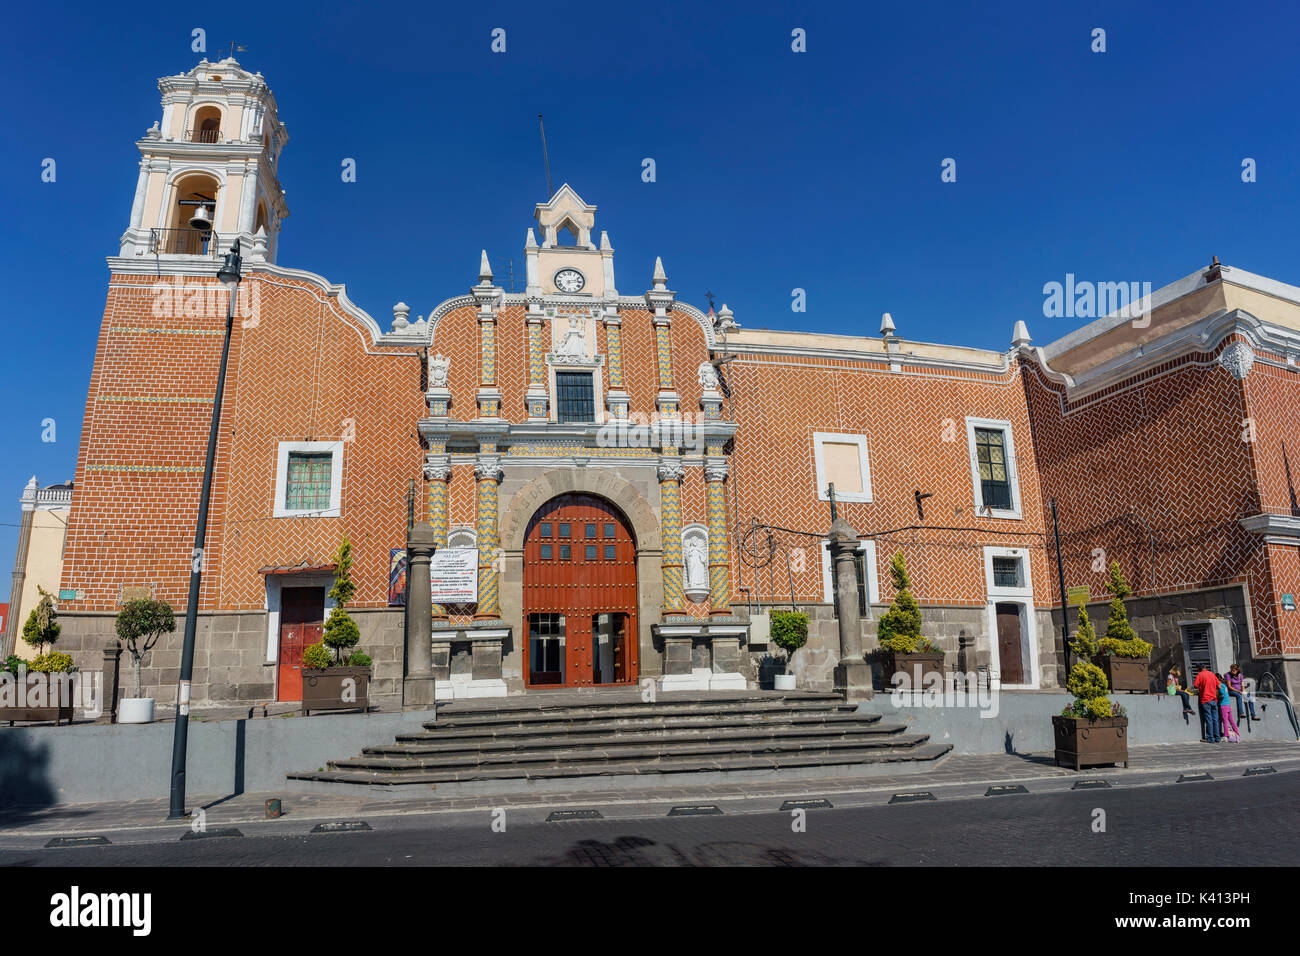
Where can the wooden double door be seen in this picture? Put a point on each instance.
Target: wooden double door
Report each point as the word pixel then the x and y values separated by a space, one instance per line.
pixel 579 595
pixel 302 613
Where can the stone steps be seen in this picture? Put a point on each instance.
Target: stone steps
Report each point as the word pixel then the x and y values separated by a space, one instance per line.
pixel 621 741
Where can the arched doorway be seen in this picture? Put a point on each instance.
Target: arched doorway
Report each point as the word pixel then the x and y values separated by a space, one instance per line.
pixel 579 595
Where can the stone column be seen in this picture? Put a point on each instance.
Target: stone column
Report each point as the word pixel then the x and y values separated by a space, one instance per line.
pixel 670 524
pixel 852 676
pixel 438 474
pixel 112 679
pixel 618 398
pixel 536 398
pixel 488 472
pixel 715 477
pixel 12 624
pixel 418 685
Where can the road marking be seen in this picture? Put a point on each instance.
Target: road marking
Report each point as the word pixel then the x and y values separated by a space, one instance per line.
pixel 559 816
pixel 1003 790
pixel 694 811
pixel 342 826
pixel 1091 785
pixel 78 841
pixel 211 832
pixel 912 797
pixel 1193 777
pixel 807 805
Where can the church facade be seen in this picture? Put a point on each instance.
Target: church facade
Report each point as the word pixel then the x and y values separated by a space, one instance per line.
pixel 621 484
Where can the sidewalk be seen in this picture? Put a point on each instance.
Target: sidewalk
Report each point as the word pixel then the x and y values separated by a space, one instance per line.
pixel 958 777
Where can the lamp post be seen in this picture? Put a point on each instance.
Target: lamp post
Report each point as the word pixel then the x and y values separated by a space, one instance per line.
pixel 228 274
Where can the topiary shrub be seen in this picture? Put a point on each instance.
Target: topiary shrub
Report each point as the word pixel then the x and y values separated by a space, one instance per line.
pixel 360 659
pixel 1087 682
pixel 341 632
pixel 317 656
pixel 900 627
pixel 1121 640
pixel 139 625
pixel 789 632
pixel 42 625
pixel 52 662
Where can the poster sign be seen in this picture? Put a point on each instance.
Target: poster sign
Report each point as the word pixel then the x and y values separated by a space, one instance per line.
pixel 396 577
pixel 1288 602
pixel 454 576
pixel 1077 596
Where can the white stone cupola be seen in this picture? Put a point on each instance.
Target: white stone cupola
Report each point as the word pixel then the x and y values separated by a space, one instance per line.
pixel 212 156
pixel 568 262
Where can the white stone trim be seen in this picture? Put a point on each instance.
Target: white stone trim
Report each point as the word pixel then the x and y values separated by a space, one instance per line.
pixel 285 448
pixel 274 584
pixel 868 548
pixel 1022 596
pixel 864 465
pixel 1013 469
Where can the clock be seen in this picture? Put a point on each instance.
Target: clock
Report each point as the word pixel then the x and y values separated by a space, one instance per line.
pixel 569 280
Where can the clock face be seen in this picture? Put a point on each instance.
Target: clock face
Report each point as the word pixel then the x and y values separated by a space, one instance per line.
pixel 569 280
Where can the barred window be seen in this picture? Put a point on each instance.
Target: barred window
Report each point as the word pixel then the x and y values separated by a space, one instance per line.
pixel 575 397
pixel 995 479
pixel 307 485
pixel 1006 573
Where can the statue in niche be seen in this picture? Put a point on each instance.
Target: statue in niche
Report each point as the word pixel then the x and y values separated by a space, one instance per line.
pixel 575 342
pixel 709 377
pixel 438 368
pixel 697 566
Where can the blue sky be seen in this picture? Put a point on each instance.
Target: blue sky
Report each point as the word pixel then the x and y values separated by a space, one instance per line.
pixel 775 170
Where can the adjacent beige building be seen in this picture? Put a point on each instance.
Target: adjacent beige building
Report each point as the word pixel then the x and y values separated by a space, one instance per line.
pixel 39 561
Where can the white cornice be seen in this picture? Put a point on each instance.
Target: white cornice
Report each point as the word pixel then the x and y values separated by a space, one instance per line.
pixel 856 355
pixel 1273 526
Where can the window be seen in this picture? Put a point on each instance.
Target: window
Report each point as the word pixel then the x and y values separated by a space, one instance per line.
pixel 864 566
pixel 308 479
pixel 546 529
pixel 993 468
pixel 842 460
pixel 565 552
pixel 564 531
pixel 591 552
pixel 546 552
pixel 609 531
pixel 575 397
pixel 609 552
pixel 591 531
pixel 1006 572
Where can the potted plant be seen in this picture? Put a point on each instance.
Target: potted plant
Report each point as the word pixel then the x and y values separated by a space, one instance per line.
pixel 39 689
pixel 903 648
pixel 1092 730
pixel 1126 657
pixel 339 680
pixel 789 632
pixel 139 625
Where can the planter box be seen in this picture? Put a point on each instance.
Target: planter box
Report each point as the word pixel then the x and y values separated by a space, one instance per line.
pixel 1128 673
pixel 323 689
pixel 929 663
pixel 56 696
pixel 1084 742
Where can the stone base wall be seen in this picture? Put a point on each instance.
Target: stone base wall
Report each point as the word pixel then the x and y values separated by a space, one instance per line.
pixel 230 651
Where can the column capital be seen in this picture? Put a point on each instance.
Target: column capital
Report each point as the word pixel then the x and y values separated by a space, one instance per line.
pixel 670 469
pixel 437 468
pixel 715 469
pixel 488 468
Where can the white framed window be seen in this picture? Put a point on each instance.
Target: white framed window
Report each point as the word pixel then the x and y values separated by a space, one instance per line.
pixel 993 470
pixel 308 479
pixel 842 460
pixel 868 582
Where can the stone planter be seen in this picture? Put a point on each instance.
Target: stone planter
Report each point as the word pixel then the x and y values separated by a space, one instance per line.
pixel 39 699
pixel 1128 673
pixel 783 681
pixel 915 666
pixel 1085 742
pixel 135 710
pixel 335 688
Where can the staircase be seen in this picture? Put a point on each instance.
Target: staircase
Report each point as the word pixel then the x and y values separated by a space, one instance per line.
pixel 571 742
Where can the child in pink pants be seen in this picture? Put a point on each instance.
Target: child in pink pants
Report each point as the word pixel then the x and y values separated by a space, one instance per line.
pixel 1230 731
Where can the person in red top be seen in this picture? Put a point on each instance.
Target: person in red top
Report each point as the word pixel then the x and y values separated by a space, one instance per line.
pixel 1207 687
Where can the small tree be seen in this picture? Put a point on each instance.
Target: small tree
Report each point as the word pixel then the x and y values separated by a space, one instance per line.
pixel 1084 643
pixel 42 625
pixel 900 627
pixel 341 632
pixel 1121 640
pixel 789 632
pixel 139 625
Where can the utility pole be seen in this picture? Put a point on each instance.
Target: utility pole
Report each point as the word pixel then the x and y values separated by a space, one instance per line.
pixel 1060 572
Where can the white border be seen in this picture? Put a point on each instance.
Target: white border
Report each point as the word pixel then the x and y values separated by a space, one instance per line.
pixel 1013 470
pixel 864 465
pixel 335 448
pixel 868 548
pixel 1023 596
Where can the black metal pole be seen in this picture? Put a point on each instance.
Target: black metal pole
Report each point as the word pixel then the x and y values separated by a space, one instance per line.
pixel 1060 571
pixel 180 739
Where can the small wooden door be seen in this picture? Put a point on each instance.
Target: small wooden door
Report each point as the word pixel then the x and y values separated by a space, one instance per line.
pixel 579 594
pixel 1010 655
pixel 302 613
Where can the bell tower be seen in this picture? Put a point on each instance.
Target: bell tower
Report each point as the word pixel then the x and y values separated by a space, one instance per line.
pixel 208 168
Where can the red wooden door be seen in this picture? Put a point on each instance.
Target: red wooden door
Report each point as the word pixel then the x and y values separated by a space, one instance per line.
pixel 579 594
pixel 1010 658
pixel 302 612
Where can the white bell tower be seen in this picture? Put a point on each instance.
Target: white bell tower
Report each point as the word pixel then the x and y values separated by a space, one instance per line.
pixel 208 168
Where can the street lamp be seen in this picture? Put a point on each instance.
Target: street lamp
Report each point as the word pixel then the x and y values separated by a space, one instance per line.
pixel 228 275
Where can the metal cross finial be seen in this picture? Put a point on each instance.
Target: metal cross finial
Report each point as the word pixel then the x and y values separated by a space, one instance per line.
pixel 709 296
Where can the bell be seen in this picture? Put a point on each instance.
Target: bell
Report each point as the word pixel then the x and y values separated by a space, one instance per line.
pixel 201 220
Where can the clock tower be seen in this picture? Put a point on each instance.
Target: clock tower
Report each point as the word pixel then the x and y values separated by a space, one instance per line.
pixel 568 263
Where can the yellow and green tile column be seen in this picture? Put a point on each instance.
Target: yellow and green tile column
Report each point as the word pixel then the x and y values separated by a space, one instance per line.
pixel 715 478
pixel 438 475
pixel 670 524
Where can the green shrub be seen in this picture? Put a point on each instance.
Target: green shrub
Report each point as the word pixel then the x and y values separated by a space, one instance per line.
pixel 341 632
pixel 13 663
pixel 789 631
pixel 1121 640
pixel 316 656
pixel 1087 682
pixel 42 625
pixel 1084 642
pixel 900 627
pixel 52 663
pixel 139 625
pixel 360 659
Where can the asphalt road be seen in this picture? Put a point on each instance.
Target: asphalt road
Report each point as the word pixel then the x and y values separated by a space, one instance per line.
pixel 1141 825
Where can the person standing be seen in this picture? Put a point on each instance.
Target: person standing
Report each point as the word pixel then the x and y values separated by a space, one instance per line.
pixel 1230 731
pixel 1206 686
